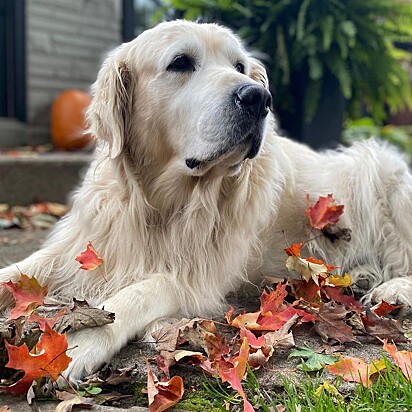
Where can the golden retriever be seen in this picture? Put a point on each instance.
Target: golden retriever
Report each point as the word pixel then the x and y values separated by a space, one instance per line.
pixel 191 188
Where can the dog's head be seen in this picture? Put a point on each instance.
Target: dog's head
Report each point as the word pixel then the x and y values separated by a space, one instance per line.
pixel 182 92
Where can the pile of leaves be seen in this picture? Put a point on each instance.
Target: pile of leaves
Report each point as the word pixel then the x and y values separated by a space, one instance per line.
pixel 33 343
pixel 38 215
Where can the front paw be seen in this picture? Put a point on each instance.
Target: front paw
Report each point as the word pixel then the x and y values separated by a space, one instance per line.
pixel 89 350
pixel 397 291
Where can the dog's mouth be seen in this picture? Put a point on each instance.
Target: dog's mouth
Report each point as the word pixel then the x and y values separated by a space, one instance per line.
pixel 232 153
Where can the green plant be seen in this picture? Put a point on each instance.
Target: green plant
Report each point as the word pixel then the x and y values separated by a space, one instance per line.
pixel 352 40
pixel 365 128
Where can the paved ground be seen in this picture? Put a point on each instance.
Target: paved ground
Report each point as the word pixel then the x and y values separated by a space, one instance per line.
pixel 16 244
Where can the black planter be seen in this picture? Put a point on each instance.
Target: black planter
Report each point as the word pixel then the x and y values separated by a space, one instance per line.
pixel 324 130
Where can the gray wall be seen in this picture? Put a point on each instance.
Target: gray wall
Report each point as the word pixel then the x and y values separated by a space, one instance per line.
pixel 66 43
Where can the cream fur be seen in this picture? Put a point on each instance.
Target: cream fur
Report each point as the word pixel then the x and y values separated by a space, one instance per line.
pixel 176 241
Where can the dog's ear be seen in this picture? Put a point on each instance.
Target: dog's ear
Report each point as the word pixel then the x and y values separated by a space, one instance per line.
pixel 258 72
pixel 108 114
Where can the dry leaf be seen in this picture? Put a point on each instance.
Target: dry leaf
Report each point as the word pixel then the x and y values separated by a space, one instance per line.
pixel 28 293
pixel 355 369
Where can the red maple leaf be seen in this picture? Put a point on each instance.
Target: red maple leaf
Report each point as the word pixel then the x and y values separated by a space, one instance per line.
pixel 321 214
pixel 384 308
pixel 48 358
pixel 28 293
pixel 273 301
pixel 89 259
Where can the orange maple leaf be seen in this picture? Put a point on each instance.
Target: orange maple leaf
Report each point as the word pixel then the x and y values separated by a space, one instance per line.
pixel 163 395
pixel 294 250
pixel 402 358
pixel 89 259
pixel 28 293
pixel 321 214
pixel 48 358
pixel 353 369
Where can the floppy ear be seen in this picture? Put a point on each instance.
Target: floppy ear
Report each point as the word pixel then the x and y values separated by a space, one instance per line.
pixel 109 111
pixel 258 73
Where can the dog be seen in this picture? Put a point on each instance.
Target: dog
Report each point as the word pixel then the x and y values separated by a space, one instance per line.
pixel 192 189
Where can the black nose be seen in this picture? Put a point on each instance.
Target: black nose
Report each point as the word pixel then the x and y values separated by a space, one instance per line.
pixel 255 99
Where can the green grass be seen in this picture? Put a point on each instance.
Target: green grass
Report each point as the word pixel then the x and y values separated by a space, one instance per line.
pixel 391 392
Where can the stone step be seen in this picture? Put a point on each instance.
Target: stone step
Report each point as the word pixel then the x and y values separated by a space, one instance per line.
pixel 41 177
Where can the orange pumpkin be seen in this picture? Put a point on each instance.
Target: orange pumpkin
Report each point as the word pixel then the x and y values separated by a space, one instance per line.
pixel 68 120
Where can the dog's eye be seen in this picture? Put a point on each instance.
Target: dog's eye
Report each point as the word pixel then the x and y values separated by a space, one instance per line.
pixel 240 68
pixel 181 63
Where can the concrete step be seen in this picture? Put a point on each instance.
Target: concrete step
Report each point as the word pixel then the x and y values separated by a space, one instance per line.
pixel 41 177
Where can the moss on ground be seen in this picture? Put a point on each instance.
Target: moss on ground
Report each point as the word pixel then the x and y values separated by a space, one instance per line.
pixel 198 401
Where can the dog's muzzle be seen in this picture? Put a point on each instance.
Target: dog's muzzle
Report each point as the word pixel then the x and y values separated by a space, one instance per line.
pixel 251 104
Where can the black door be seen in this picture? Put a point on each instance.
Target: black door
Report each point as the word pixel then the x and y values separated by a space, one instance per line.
pixel 12 60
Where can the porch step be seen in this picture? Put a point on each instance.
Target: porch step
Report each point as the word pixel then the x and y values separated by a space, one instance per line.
pixel 41 177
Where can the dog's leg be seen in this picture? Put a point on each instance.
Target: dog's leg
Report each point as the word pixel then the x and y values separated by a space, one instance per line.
pixel 135 307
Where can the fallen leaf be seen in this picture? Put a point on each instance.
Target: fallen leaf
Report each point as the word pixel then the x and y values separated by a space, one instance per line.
pixel 402 358
pixel 383 308
pixel 311 361
pixel 353 369
pixel 306 268
pixel 5 408
pixel 28 293
pixel 338 280
pixel 337 296
pixel 331 324
pixel 163 395
pixel 82 318
pixel 322 214
pixel 48 359
pixel 193 357
pixel 272 302
pixel 89 260
pixel 234 371
pixel 383 328
pixel 80 401
pixel 282 338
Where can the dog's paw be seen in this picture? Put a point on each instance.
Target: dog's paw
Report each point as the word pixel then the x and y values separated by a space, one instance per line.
pixel 397 291
pixel 89 350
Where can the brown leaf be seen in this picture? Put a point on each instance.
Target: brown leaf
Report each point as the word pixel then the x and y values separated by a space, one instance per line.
pixel 331 324
pixel 163 395
pixel 383 328
pixel 282 338
pixel 82 318
pixel 80 401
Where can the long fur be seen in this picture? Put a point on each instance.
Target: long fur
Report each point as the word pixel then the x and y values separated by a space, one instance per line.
pixel 175 243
